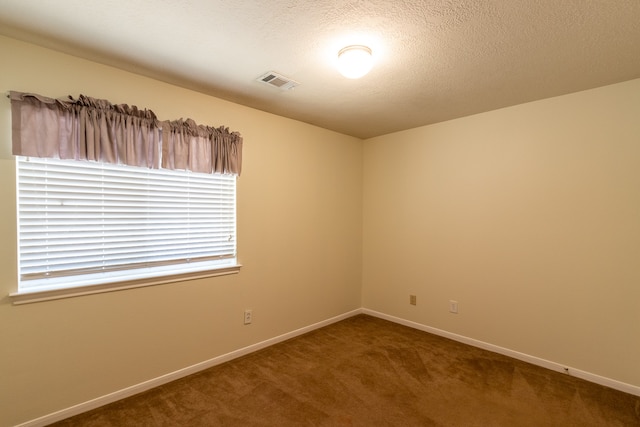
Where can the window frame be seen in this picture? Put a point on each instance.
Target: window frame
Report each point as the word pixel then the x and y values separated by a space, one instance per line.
pixel 166 274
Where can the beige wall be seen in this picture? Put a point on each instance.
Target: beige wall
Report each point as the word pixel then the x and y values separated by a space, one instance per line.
pixel 528 216
pixel 299 226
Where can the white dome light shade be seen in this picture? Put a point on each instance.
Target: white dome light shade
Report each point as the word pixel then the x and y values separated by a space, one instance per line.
pixel 355 61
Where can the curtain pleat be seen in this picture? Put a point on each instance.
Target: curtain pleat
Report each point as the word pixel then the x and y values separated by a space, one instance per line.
pixel 94 129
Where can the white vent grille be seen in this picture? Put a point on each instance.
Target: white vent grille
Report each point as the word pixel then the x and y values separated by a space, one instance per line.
pixel 278 80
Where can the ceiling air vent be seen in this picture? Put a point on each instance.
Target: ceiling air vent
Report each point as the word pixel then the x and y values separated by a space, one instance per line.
pixel 278 80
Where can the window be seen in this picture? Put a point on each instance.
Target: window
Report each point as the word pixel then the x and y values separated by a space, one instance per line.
pixel 110 197
pixel 86 223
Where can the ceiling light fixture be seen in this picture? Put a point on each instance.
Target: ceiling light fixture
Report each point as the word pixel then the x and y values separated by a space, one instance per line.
pixel 354 61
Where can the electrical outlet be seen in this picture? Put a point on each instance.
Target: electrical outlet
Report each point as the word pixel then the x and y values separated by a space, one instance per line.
pixel 248 317
pixel 412 299
pixel 453 306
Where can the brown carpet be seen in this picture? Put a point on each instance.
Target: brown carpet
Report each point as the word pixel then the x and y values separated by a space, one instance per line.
pixel 365 371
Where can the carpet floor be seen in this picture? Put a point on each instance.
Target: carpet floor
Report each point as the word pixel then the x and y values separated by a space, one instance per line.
pixel 365 371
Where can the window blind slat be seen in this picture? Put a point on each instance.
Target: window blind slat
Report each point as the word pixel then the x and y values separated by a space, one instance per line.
pixel 78 217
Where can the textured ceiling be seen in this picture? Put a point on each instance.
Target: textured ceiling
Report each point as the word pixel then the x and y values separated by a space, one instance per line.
pixel 434 59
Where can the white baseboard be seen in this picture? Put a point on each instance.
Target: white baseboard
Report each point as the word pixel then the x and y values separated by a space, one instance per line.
pixel 608 382
pixel 172 376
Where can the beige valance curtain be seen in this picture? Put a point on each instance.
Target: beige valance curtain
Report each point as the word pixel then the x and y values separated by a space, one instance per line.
pixel 84 129
pixel 95 129
pixel 199 148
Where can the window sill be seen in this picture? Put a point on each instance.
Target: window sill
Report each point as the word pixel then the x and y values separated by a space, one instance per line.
pixel 26 297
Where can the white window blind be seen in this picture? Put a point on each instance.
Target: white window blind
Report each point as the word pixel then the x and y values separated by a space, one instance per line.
pixel 85 223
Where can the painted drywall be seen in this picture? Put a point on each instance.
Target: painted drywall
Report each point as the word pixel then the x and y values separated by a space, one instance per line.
pixel 299 227
pixel 528 217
